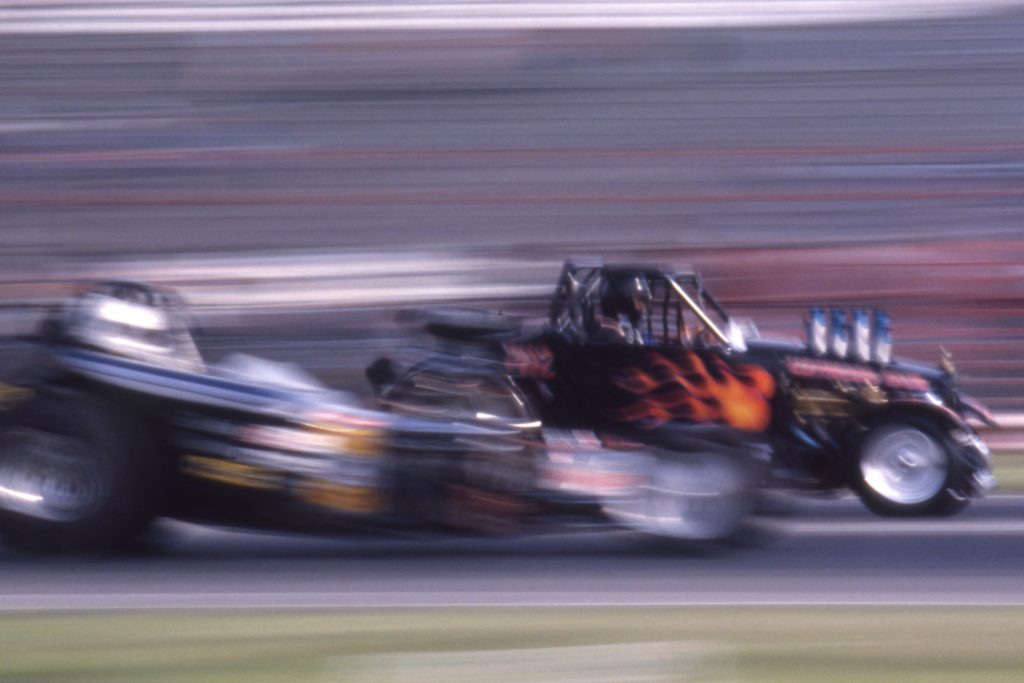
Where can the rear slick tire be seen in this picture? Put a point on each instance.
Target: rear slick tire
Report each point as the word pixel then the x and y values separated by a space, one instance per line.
pixel 78 474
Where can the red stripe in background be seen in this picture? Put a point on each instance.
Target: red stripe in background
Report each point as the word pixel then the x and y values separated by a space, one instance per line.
pixel 234 154
pixel 256 197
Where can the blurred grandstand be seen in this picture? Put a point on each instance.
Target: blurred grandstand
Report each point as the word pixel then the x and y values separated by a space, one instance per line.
pixel 285 162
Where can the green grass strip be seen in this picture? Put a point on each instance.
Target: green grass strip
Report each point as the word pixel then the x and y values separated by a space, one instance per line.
pixel 1008 466
pixel 791 645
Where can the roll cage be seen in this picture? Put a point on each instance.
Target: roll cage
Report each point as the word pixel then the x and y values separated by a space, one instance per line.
pixel 682 309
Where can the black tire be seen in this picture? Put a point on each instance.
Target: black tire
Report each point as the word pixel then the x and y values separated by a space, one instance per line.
pixel 83 472
pixel 907 468
pixel 691 497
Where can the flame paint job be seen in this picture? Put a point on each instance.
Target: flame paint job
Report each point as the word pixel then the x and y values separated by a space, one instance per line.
pixel 689 387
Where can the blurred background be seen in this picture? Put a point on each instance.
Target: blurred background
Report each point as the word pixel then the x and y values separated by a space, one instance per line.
pixel 330 158
pixel 315 156
pixel 302 170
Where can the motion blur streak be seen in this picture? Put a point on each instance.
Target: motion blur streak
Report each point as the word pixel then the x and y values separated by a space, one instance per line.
pixel 293 172
pixel 294 154
pixel 211 199
pixel 147 16
pixel 304 170
pixel 860 153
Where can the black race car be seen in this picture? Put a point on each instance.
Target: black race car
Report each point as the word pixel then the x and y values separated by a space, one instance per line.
pixel 647 356
pixel 121 421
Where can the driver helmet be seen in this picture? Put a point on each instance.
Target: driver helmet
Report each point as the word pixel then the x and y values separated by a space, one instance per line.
pixel 132 320
pixel 627 296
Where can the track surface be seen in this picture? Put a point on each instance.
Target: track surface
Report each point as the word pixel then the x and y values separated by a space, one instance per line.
pixel 806 552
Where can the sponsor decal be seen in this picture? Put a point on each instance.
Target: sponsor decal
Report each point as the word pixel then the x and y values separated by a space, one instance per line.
pixel 824 369
pixel 905 380
pixel 338 496
pixel 314 440
pixel 530 360
pixel 845 372
pixel 288 439
pixel 11 395
pixel 230 473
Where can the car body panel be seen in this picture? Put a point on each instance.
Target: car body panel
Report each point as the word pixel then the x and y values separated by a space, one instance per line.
pixel 694 367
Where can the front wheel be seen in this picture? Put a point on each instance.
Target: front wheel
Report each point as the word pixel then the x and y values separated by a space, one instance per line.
pixel 907 469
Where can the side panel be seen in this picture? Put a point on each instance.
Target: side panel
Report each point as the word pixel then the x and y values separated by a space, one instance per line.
pixel 648 386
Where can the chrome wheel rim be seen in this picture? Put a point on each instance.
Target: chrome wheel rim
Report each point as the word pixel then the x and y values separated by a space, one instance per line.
pixel 47 476
pixel 904 465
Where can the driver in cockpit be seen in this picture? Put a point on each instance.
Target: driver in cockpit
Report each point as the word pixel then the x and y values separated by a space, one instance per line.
pixel 625 301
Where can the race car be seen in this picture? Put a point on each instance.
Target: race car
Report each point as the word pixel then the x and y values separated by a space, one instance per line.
pixel 644 354
pixel 122 421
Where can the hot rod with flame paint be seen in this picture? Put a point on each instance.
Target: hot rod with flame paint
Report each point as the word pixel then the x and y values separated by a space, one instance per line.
pixel 647 356
pixel 121 421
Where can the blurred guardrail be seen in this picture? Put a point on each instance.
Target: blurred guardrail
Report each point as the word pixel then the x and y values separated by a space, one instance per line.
pixel 167 16
pixel 965 296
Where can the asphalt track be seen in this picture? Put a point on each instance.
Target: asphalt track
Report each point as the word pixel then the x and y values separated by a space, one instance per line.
pixel 805 552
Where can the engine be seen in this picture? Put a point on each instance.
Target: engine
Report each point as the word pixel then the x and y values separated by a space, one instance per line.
pixel 862 337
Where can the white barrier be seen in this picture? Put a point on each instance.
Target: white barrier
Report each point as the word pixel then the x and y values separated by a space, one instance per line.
pixel 160 16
